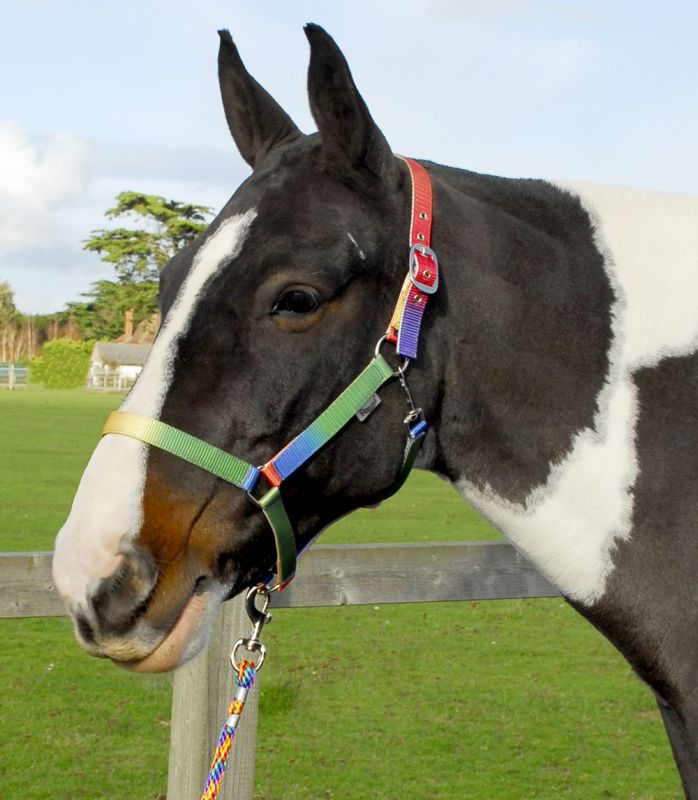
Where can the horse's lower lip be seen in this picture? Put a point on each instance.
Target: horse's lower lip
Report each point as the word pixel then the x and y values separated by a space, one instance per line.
pixel 171 651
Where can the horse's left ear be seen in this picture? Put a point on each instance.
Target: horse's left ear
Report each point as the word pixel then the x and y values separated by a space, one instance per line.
pixel 353 143
pixel 256 120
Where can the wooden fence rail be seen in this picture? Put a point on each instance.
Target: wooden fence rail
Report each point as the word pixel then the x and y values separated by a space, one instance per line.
pixel 329 575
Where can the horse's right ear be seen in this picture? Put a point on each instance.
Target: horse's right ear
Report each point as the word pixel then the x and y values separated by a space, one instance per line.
pixel 257 122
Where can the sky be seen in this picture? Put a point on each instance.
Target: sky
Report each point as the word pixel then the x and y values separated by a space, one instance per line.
pixel 96 98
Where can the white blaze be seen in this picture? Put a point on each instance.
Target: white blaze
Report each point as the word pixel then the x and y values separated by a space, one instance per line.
pixel 568 526
pixel 107 511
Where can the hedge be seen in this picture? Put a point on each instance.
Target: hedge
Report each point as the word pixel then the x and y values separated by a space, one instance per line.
pixel 63 365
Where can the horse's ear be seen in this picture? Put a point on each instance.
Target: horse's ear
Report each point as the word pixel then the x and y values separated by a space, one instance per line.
pixel 256 120
pixel 353 143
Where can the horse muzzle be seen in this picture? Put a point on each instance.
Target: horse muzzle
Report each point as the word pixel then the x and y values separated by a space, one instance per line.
pixel 141 625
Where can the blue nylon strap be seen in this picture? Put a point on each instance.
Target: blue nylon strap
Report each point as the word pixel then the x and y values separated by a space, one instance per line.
pixel 333 418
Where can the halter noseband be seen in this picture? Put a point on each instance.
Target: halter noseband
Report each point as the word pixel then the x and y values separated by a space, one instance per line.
pixel 421 281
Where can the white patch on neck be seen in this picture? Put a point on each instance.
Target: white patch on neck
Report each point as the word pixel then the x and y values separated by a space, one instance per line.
pixel 362 256
pixel 568 527
pixel 107 511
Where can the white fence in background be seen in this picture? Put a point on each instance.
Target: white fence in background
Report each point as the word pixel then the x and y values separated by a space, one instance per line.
pixel 13 376
pixel 109 380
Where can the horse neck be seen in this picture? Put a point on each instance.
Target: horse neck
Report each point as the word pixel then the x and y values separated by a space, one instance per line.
pixel 520 332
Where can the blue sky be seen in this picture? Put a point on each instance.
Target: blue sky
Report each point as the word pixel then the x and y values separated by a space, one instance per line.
pixel 100 97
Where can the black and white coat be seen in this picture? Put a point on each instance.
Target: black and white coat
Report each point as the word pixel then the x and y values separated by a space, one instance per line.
pixel 558 367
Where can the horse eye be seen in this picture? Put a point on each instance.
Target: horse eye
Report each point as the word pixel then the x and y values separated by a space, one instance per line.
pixel 297 301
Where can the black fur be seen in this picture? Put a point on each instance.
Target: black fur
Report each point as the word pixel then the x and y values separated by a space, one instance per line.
pixel 650 608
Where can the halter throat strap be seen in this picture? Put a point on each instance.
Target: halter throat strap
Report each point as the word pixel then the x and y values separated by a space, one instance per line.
pixel 420 282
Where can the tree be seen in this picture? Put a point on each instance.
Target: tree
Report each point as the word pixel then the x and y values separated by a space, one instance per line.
pixel 138 255
pixel 7 303
pixel 101 315
pixel 20 334
pixel 8 322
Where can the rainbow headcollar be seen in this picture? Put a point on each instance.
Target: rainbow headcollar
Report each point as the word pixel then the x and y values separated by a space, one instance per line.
pixel 421 281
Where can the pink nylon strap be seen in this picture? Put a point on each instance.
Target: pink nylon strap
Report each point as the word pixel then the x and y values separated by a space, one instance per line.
pixel 423 275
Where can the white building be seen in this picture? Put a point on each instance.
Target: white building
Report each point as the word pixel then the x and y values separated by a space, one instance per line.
pixel 114 366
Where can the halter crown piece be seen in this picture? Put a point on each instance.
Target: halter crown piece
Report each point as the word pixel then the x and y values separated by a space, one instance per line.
pixel 421 281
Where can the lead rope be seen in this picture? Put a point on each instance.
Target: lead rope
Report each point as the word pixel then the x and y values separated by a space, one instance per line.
pixel 244 679
pixel 244 674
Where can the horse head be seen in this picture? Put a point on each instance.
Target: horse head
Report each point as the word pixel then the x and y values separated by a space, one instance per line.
pixel 266 319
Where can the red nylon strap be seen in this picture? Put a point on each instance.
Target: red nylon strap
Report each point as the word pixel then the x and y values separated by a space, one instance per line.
pixel 420 225
pixel 422 277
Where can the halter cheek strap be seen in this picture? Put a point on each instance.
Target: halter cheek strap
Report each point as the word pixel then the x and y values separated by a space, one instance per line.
pixel 421 281
pixel 422 277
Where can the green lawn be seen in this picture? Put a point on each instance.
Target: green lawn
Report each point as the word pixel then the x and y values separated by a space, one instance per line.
pixel 46 437
pixel 500 700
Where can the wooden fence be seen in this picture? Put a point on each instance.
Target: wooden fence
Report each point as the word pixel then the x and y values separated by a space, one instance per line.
pixel 329 575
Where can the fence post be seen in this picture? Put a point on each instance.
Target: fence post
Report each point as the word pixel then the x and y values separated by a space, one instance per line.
pixel 201 693
pixel 11 377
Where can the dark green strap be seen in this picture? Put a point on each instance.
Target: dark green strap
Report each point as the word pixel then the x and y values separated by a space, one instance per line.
pixel 412 448
pixel 272 505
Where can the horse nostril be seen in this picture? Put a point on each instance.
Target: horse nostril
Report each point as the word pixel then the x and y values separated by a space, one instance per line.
pixel 225 567
pixel 85 629
pixel 121 597
pixel 201 585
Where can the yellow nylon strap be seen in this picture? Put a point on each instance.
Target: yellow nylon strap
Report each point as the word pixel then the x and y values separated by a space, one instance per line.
pixel 184 445
pixel 396 319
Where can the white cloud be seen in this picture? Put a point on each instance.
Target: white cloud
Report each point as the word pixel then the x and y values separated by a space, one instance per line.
pixel 54 192
pixel 34 184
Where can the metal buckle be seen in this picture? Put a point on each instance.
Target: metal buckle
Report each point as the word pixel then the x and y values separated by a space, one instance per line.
pixel 422 249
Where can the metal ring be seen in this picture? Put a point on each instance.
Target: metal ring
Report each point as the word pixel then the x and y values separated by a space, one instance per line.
pixel 252 647
pixel 379 344
pixel 402 368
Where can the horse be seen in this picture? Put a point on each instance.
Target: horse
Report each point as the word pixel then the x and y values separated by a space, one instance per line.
pixel 557 369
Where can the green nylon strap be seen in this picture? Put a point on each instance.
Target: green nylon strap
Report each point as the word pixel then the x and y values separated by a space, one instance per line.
pixel 178 443
pixel 272 505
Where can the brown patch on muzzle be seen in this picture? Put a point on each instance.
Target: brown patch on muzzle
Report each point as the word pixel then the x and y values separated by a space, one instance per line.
pixel 156 610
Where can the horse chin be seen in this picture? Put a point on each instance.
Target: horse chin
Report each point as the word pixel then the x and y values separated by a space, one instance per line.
pixel 186 639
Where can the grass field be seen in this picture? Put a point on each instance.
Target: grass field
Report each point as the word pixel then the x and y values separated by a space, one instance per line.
pixel 501 700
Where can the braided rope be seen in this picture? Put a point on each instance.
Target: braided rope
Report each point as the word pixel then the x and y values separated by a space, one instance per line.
pixel 244 679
